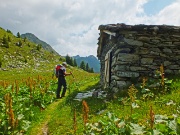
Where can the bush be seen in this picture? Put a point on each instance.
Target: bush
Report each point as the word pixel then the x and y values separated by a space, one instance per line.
pixel 19 43
pixel 39 46
pixel 0 62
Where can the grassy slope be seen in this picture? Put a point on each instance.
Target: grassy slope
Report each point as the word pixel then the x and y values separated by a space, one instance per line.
pixel 25 61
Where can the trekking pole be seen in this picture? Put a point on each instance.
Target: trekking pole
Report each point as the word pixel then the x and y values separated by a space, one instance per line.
pixel 74 79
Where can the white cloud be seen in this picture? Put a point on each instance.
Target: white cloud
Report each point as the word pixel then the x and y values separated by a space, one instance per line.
pixel 71 26
pixel 169 15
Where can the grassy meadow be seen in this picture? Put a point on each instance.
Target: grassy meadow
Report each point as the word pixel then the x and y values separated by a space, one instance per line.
pixel 139 110
pixel 25 101
pixel 151 107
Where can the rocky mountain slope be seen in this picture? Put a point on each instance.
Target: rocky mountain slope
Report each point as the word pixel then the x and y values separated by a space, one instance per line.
pixel 31 37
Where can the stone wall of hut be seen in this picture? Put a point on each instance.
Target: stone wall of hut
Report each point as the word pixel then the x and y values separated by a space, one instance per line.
pixel 138 51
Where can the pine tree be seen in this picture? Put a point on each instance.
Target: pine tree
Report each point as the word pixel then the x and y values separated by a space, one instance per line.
pixel 75 63
pixel 18 35
pixel 87 67
pixel 71 62
pixel 91 70
pixel 82 65
pixel 68 59
pixel 9 31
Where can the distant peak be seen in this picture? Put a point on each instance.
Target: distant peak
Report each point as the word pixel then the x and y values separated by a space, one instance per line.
pixel 28 34
pixel 76 57
pixel 91 56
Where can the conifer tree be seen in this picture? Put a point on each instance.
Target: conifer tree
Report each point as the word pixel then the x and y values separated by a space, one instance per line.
pixel 9 31
pixel 71 62
pixel 82 65
pixel 87 67
pixel 75 63
pixel 18 35
pixel 91 70
pixel 68 59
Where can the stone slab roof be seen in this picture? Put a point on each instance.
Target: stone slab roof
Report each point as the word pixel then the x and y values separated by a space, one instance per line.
pixel 139 27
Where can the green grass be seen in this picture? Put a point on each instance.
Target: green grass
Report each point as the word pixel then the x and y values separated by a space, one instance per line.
pixel 82 81
pixel 58 116
pixel 61 121
pixel 59 112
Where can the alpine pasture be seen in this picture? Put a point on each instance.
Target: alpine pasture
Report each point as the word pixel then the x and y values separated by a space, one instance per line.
pixel 28 103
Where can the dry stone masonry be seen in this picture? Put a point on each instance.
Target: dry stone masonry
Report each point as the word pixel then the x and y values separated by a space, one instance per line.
pixel 129 52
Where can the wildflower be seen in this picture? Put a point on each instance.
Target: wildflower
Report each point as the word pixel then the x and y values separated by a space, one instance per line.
pixel 152 118
pixel 85 112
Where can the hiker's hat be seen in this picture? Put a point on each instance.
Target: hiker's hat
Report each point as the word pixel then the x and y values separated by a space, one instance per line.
pixel 64 63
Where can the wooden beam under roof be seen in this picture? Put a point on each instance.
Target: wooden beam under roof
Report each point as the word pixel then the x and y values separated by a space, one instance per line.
pixel 110 33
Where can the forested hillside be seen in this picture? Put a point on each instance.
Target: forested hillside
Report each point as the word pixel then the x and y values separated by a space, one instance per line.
pixel 92 61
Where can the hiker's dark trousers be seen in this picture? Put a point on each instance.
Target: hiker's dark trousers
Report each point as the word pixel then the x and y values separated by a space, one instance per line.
pixel 61 82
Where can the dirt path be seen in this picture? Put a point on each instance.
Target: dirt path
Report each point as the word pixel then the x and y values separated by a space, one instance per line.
pixel 42 128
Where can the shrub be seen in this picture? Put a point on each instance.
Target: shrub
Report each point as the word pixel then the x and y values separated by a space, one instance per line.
pixel 39 46
pixel 5 41
pixel 19 43
pixel 0 62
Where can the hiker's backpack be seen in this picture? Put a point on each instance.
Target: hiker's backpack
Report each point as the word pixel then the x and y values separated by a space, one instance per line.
pixel 59 70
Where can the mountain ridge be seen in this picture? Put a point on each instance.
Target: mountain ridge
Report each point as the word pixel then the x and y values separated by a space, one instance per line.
pixel 31 37
pixel 92 61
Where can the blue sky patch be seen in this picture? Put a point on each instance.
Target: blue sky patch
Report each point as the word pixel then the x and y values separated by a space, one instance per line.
pixel 152 7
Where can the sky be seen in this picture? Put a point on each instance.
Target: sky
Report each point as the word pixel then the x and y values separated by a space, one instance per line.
pixel 71 26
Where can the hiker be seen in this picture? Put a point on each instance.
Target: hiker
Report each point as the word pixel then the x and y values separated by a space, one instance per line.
pixel 61 80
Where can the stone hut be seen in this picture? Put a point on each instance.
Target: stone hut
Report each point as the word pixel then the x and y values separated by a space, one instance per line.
pixel 129 52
